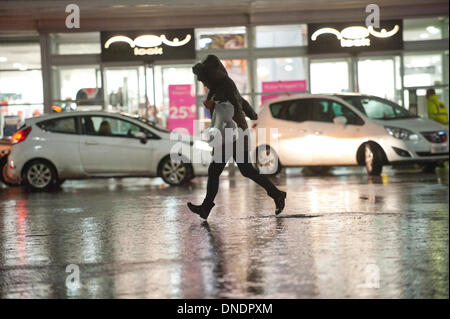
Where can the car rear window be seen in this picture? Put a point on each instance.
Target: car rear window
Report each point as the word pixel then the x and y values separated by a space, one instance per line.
pixel 65 125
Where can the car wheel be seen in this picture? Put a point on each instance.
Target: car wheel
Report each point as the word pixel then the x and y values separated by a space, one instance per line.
pixel 40 175
pixel 267 161
pixel 174 172
pixel 429 168
pixel 373 159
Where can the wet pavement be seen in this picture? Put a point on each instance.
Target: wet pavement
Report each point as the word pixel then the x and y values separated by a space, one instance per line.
pixel 343 235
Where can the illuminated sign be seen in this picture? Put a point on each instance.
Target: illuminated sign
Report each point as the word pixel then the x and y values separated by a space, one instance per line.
pixel 356 36
pixel 148 46
pixel 352 37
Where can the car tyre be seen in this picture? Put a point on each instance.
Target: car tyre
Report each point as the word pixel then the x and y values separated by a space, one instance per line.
pixel 373 159
pixel 267 161
pixel 40 175
pixel 174 172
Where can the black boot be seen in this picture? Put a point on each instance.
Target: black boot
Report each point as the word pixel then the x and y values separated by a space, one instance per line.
pixel 202 210
pixel 280 202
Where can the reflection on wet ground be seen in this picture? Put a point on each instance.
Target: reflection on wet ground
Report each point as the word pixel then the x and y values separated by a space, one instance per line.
pixel 343 235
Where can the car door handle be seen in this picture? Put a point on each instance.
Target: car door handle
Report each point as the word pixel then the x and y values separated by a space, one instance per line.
pixel 317 132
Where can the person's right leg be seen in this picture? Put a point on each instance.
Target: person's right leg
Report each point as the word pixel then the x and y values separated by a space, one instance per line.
pixel 247 170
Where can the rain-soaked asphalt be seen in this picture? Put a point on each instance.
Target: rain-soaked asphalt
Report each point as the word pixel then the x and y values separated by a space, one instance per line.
pixel 341 236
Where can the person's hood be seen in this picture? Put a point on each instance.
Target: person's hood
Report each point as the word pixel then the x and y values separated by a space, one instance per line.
pixel 212 62
pixel 199 71
pixel 214 70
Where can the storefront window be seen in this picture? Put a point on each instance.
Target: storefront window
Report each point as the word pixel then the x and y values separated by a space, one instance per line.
pixel 168 79
pixel 78 87
pixel 123 89
pixel 237 70
pixel 221 38
pixel 329 76
pixel 425 29
pixel 281 36
pixel 422 70
pixel 21 94
pixel 380 77
pixel 76 43
pixel 292 72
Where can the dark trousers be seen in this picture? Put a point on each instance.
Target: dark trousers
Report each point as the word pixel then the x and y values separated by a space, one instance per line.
pixel 247 170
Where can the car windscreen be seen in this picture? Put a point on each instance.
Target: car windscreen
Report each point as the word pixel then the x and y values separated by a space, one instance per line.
pixel 378 108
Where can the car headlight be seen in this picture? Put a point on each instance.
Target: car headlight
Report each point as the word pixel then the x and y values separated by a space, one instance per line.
pixel 401 133
pixel 201 145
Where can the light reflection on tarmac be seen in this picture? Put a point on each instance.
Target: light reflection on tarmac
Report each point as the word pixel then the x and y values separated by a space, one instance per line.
pixel 343 235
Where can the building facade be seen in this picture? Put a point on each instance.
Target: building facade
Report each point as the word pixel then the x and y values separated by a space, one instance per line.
pixel 54 68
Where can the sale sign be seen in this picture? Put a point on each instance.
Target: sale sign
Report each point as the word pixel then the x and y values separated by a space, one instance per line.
pixel 282 86
pixel 182 107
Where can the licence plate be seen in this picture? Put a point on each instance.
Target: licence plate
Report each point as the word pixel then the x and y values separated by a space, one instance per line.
pixel 436 149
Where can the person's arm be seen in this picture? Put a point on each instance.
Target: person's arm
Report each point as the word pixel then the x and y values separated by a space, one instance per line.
pixel 248 110
pixel 236 99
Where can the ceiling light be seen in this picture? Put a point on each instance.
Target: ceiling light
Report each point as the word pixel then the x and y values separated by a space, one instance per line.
pixel 432 29
pixel 23 68
pixel 424 35
pixel 16 65
pixel 288 68
pixel 3 59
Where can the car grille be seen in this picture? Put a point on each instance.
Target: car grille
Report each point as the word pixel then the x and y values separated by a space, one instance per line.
pixel 435 137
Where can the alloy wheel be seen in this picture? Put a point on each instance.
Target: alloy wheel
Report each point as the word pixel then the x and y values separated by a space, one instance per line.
pixel 39 175
pixel 174 172
pixel 267 161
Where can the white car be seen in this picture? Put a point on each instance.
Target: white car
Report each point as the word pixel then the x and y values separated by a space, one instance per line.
pixel 52 148
pixel 345 130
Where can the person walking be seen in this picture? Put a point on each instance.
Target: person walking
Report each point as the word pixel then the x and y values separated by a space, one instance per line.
pixel 223 94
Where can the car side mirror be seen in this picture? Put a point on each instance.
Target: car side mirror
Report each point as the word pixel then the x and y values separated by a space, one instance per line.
pixel 340 120
pixel 141 136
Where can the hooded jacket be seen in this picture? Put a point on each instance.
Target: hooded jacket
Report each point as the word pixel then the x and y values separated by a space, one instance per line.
pixel 212 73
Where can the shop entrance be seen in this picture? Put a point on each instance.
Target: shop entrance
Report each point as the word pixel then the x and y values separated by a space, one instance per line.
pixel 125 89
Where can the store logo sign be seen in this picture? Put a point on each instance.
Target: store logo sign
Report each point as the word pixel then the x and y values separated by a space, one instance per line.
pixel 356 36
pixel 148 44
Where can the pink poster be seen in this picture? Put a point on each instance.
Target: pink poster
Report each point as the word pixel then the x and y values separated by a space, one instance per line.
pixel 182 107
pixel 281 86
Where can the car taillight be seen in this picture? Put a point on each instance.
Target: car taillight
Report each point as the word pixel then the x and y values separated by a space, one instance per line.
pixel 20 136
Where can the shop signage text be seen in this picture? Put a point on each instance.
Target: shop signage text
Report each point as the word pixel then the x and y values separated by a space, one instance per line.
pixel 148 46
pixel 354 37
pixel 282 86
pixel 182 112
